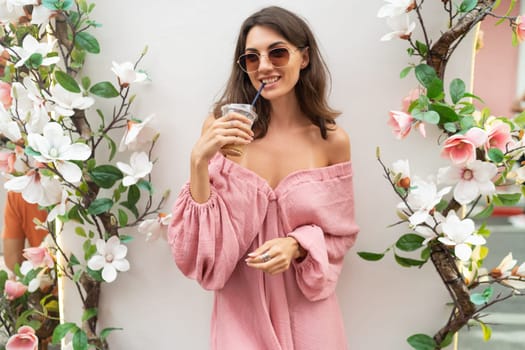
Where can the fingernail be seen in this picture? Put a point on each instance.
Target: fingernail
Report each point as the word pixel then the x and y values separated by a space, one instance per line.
pixel 251 255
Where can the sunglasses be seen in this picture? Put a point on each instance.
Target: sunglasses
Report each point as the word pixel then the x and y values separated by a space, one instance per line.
pixel 278 57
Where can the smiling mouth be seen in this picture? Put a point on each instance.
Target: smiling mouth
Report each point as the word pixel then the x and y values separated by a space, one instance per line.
pixel 270 80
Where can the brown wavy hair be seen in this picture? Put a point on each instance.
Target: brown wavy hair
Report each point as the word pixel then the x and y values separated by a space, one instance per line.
pixel 311 88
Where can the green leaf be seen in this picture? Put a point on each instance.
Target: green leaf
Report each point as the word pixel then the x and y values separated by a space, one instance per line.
pixel 105 332
pixel 125 238
pixel 31 152
pixel 105 175
pixel 87 42
pixel 405 72
pixel 508 199
pixel 435 89
pixel 485 213
pixel 133 194
pixel 467 122
pixel 431 117
pixel 446 114
pixel 425 253
pixel 421 48
pixel 371 256
pixel 132 208
pixel 104 89
pixel 3 278
pixel 79 230
pixel 457 90
pixel 145 185
pixel 468 94
pixel 409 242
pixel 86 83
pixel 425 74
pixel 122 217
pixel 467 5
pixel 73 260
pixel 407 262
pixel 100 205
pixel 487 331
pixel 447 341
pixel 61 330
pixel 506 15
pixel 80 340
pixel 89 249
pixel 450 127
pixel 422 342
pixel 57 4
pixel 67 82
pixel 89 314
pixel 112 146
pixel 34 61
pixel 469 108
pixel 495 155
pixel 482 298
pixel 520 119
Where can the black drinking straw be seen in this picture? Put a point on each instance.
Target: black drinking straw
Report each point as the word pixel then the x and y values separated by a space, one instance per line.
pixel 258 94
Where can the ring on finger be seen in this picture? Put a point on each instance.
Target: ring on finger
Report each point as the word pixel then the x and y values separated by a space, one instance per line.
pixel 265 257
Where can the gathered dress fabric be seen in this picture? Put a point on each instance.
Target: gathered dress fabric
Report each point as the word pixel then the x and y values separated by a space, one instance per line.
pixel 253 310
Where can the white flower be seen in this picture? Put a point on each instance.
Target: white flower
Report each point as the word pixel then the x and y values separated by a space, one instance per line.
pixel 395 8
pixel 426 231
pixel 66 102
pixel 55 146
pixel 30 106
pixel 137 135
pixel 504 268
pixel 41 15
pixel 401 167
pixel 41 281
pixel 472 179
pixel 35 188
pixel 423 197
pixel 9 12
pixel 8 127
pixel 139 167
pixel 402 27
pixel 155 228
pixel 518 175
pixel 110 258
pixel 60 208
pixel 126 73
pixel 31 46
pixel 460 233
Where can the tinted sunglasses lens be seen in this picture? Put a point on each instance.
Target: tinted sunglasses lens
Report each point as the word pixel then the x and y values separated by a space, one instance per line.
pixel 249 62
pixel 279 57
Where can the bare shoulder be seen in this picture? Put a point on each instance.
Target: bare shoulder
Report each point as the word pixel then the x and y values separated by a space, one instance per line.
pixel 338 146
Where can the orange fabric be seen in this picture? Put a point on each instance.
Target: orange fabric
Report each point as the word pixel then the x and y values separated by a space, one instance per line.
pixel 18 220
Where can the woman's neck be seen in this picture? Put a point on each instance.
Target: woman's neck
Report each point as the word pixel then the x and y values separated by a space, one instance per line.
pixel 285 111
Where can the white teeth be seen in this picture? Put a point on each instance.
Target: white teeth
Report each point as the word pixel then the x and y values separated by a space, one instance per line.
pixel 270 80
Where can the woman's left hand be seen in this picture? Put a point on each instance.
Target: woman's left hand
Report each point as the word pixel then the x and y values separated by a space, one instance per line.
pixel 275 255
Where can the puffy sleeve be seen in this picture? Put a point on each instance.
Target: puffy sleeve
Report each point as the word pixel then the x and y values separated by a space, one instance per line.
pixel 320 216
pixel 208 239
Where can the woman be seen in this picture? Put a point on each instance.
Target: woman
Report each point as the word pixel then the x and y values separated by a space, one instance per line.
pixel 267 229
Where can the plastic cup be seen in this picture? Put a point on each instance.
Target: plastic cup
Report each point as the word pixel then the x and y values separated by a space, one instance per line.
pixel 244 109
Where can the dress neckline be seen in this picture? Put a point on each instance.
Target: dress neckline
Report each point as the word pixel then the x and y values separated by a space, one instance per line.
pixel 320 173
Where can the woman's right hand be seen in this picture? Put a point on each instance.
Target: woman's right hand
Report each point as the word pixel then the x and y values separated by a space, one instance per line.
pixel 232 128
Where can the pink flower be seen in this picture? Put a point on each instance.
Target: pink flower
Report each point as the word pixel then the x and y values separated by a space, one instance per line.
pixel 7 161
pixel 14 289
pixel 25 339
pixel 462 148
pixel 499 136
pixel 5 94
pixel 520 27
pixel 39 257
pixel 401 123
pixel 412 96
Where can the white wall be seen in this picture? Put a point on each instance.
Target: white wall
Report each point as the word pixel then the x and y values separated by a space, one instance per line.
pixel 190 53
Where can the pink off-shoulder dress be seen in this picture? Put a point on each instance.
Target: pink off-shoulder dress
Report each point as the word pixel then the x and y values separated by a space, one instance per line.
pixel 294 310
